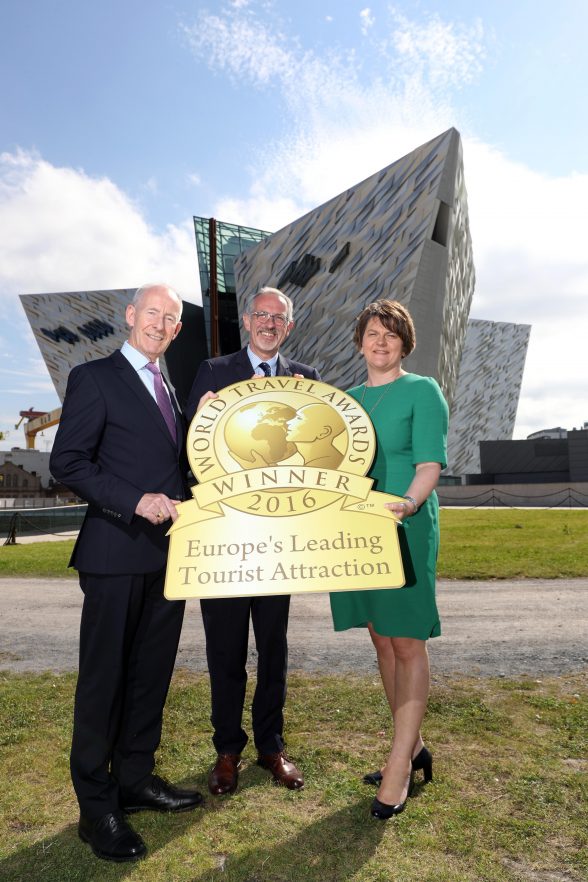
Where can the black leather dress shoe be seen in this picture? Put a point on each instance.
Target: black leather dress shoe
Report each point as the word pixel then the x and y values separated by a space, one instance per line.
pixel 112 838
pixel 283 770
pixel 160 796
pixel 224 775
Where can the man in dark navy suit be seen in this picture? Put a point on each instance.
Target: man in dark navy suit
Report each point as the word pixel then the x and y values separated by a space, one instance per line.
pixel 268 320
pixel 120 446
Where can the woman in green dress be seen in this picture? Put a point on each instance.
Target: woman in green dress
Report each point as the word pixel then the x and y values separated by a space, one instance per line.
pixel 409 415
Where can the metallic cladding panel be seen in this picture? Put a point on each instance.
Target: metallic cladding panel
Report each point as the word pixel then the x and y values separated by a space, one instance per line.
pixel 389 221
pixel 91 324
pixel 488 389
pixel 72 311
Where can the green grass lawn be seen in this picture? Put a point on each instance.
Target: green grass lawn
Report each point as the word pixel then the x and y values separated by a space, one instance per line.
pixel 475 544
pixel 508 801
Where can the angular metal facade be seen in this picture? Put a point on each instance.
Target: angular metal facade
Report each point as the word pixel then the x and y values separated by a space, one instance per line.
pixel 488 389
pixel 74 327
pixel 403 233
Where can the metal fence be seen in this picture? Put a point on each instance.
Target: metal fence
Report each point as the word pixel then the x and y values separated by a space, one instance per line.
pixel 39 521
pixel 66 518
pixel 495 497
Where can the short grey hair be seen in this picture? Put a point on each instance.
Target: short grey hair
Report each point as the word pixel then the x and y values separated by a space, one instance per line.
pixel 147 287
pixel 277 293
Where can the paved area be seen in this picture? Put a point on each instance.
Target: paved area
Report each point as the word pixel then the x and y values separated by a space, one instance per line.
pixel 529 627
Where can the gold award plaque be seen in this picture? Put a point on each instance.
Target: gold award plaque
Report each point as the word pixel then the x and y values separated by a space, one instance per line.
pixel 282 504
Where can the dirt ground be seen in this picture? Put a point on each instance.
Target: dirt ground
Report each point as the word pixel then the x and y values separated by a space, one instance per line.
pixel 534 627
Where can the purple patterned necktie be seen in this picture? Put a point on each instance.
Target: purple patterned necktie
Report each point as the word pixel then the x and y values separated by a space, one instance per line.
pixel 163 401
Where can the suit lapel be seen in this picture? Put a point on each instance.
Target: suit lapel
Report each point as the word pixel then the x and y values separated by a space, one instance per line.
pixel 129 375
pixel 282 367
pixel 242 365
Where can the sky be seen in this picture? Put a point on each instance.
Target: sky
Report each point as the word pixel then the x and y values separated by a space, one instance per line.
pixel 120 120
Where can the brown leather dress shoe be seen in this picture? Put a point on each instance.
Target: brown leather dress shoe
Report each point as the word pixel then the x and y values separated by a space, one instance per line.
pixel 283 771
pixel 224 775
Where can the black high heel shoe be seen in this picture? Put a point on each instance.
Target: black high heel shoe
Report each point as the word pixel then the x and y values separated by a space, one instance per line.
pixel 423 760
pixel 382 811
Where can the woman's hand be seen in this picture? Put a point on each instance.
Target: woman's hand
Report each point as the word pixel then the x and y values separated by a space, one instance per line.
pixel 400 510
pixel 422 485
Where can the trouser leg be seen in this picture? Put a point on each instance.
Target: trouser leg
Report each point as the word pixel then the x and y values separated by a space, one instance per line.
pixel 114 676
pixel 150 667
pixel 226 625
pixel 270 625
pixel 108 614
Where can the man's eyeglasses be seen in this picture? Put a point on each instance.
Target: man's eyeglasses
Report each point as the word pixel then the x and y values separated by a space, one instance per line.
pixel 262 317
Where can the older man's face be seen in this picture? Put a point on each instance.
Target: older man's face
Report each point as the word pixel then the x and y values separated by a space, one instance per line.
pixel 154 321
pixel 266 335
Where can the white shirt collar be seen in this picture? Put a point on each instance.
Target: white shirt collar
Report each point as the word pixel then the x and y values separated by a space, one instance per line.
pixel 256 360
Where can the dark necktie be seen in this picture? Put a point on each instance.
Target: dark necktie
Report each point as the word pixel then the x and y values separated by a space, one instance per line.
pixel 264 366
pixel 163 401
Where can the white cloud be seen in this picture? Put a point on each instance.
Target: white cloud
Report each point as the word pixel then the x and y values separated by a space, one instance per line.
pixel 451 53
pixel 367 20
pixel 240 45
pixel 194 179
pixel 61 230
pixel 345 121
pixel 151 186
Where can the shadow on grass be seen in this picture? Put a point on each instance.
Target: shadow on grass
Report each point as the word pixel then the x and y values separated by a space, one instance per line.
pixel 65 858
pixel 332 849
pixel 321 851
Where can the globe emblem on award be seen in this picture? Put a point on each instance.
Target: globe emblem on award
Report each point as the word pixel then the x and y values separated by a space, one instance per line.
pixel 255 434
pixel 271 433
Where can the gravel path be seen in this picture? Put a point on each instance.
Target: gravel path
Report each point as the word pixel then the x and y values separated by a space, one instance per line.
pixel 530 627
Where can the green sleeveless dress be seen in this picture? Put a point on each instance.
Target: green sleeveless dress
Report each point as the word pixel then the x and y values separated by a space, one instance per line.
pixel 410 418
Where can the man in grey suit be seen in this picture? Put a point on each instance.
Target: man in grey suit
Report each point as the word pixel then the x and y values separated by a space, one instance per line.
pixel 269 320
pixel 120 446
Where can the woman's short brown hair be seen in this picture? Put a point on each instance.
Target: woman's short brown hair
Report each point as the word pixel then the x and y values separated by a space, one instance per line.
pixel 394 316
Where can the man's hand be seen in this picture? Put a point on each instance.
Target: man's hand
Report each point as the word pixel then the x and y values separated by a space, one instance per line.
pixel 157 508
pixel 206 397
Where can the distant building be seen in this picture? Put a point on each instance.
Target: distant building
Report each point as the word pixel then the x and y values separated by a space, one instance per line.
pixel 34 461
pixel 24 474
pixel 558 432
pixel 402 233
pixel 218 244
pixel 16 483
pixel 534 461
pixel 488 389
